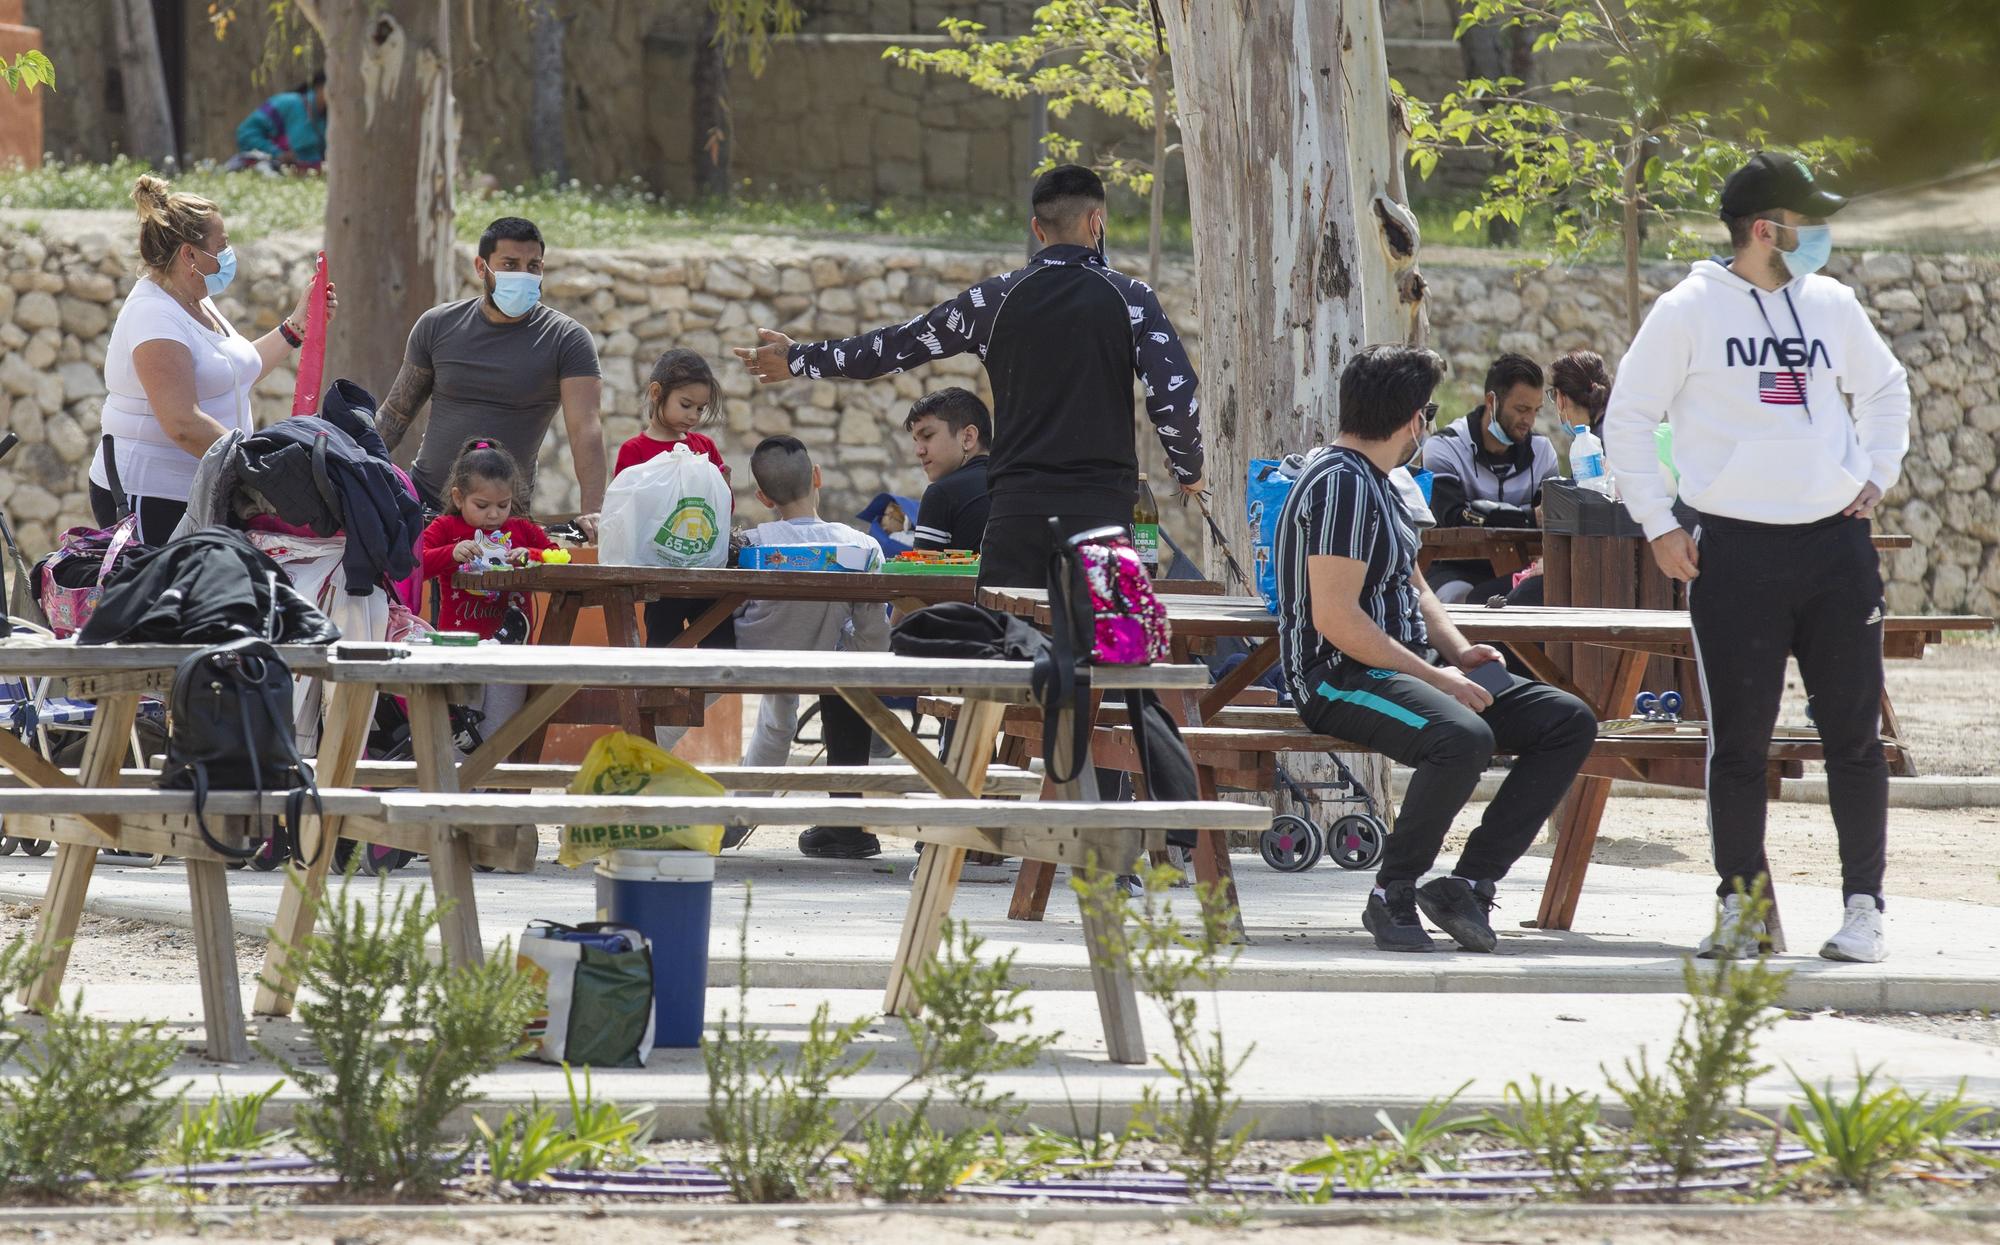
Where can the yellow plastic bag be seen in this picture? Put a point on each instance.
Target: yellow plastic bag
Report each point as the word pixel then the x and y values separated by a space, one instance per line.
pixel 622 764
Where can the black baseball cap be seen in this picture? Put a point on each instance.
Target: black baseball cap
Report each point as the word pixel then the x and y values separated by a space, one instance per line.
pixel 1773 180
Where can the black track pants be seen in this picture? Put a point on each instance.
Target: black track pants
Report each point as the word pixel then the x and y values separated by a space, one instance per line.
pixel 1015 550
pixel 1813 592
pixel 1449 746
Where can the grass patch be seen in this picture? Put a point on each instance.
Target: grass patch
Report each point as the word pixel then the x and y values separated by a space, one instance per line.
pixel 628 214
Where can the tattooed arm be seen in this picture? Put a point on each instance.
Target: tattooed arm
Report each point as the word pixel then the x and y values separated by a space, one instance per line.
pixel 406 397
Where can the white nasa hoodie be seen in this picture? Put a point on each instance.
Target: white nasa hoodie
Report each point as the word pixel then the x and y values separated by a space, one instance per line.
pixel 1783 403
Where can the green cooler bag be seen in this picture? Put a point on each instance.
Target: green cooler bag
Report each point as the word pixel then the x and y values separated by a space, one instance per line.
pixel 597 981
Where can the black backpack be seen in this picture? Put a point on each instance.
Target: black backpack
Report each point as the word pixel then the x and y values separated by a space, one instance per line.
pixel 231 730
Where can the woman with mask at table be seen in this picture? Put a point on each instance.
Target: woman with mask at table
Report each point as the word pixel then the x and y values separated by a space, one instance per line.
pixel 177 374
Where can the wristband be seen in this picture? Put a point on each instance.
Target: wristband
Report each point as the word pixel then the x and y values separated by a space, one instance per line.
pixel 291 335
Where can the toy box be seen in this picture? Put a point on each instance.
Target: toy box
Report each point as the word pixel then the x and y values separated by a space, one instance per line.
pixel 805 558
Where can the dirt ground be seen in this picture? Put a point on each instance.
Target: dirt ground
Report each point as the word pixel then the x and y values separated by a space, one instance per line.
pixel 778 1228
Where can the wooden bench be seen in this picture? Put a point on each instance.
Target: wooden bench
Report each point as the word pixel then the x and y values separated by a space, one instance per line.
pixel 1065 832
pixel 1240 750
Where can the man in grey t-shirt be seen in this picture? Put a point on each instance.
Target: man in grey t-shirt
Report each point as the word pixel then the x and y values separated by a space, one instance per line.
pixel 498 366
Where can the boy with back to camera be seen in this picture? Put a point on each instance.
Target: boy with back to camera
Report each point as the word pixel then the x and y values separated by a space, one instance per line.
pixel 788 482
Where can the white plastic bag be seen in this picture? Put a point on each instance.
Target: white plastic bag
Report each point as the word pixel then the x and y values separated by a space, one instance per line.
pixel 672 510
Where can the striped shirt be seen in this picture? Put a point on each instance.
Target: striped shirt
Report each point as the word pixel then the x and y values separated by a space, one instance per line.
pixel 1342 507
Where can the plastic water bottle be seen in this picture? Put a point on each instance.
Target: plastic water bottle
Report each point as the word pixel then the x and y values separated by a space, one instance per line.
pixel 1586 461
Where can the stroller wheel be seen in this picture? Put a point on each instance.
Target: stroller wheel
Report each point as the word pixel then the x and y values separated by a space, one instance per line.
pixel 1293 844
pixel 265 860
pixel 7 845
pixel 375 860
pixel 1358 839
pixel 34 847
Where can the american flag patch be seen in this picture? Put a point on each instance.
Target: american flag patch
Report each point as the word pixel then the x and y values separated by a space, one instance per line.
pixel 1781 388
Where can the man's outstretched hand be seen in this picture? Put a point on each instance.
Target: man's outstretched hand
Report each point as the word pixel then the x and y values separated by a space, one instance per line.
pixel 770 362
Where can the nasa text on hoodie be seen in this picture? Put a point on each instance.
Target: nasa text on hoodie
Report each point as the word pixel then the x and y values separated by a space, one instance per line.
pixel 1784 403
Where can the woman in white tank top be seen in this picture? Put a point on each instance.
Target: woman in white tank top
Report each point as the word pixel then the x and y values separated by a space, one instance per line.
pixel 178 375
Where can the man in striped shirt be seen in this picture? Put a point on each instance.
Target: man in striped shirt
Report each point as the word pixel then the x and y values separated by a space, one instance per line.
pixel 1371 656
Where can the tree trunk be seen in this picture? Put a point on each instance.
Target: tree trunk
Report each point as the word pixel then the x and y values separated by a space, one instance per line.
pixel 389 196
pixel 546 148
pixel 149 117
pixel 1157 223
pixel 1630 189
pixel 1303 252
pixel 1496 50
pixel 709 79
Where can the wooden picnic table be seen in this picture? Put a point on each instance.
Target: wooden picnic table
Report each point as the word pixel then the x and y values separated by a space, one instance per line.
pixel 1512 549
pixel 1615 572
pixel 619 590
pixel 1633 636
pixel 117 676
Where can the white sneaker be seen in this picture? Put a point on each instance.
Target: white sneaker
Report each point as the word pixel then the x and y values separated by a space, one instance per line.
pixel 1731 939
pixel 1860 940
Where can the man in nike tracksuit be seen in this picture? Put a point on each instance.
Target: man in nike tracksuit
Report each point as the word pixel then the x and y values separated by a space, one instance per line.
pixel 1063 340
pixel 1790 419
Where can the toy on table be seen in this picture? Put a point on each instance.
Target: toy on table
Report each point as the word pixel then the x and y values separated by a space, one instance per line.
pixel 818 557
pixel 1663 707
pixel 933 562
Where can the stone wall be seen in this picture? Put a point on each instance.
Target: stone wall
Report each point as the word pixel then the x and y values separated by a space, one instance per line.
pixel 63 282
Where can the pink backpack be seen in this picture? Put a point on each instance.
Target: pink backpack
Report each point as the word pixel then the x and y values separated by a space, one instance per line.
pixel 1130 625
pixel 68 581
pixel 1102 611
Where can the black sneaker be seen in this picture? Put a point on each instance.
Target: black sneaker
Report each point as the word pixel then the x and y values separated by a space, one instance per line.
pixel 1459 909
pixel 1394 922
pixel 839 843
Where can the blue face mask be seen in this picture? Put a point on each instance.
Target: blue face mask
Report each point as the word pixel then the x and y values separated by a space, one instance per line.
pixel 224 273
pixel 1814 249
pixel 1499 433
pixel 516 293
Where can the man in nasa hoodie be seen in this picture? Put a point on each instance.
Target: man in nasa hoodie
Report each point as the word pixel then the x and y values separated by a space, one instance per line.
pixel 1790 419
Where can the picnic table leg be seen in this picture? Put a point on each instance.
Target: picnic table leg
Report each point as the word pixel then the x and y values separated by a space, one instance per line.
pixel 215 956
pixel 1582 810
pixel 1212 867
pixel 938 867
pixel 556 630
pixel 1905 763
pixel 622 630
pixel 1103 940
pixel 69 881
pixel 349 713
pixel 451 861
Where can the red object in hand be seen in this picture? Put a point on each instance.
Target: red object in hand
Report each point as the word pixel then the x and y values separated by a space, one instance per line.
pixel 312 356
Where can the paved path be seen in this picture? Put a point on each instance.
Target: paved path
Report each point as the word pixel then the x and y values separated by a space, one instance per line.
pixel 1322 1063
pixel 829 924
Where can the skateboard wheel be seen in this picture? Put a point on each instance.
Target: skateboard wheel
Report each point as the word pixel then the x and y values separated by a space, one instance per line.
pixel 1670 702
pixel 1293 844
pixel 1645 703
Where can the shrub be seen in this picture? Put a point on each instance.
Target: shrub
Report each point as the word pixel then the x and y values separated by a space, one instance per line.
pixel 399 1037
pixel 1871 1133
pixel 225 1127
pixel 1168 958
pixel 1699 1089
pixel 86 1107
pixel 1562 1127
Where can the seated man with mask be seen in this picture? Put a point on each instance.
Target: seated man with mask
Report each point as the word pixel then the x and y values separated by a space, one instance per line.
pixel 1371 656
pixel 1487 470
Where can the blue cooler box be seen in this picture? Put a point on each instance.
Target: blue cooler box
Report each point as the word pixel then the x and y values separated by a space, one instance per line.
pixel 665 896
